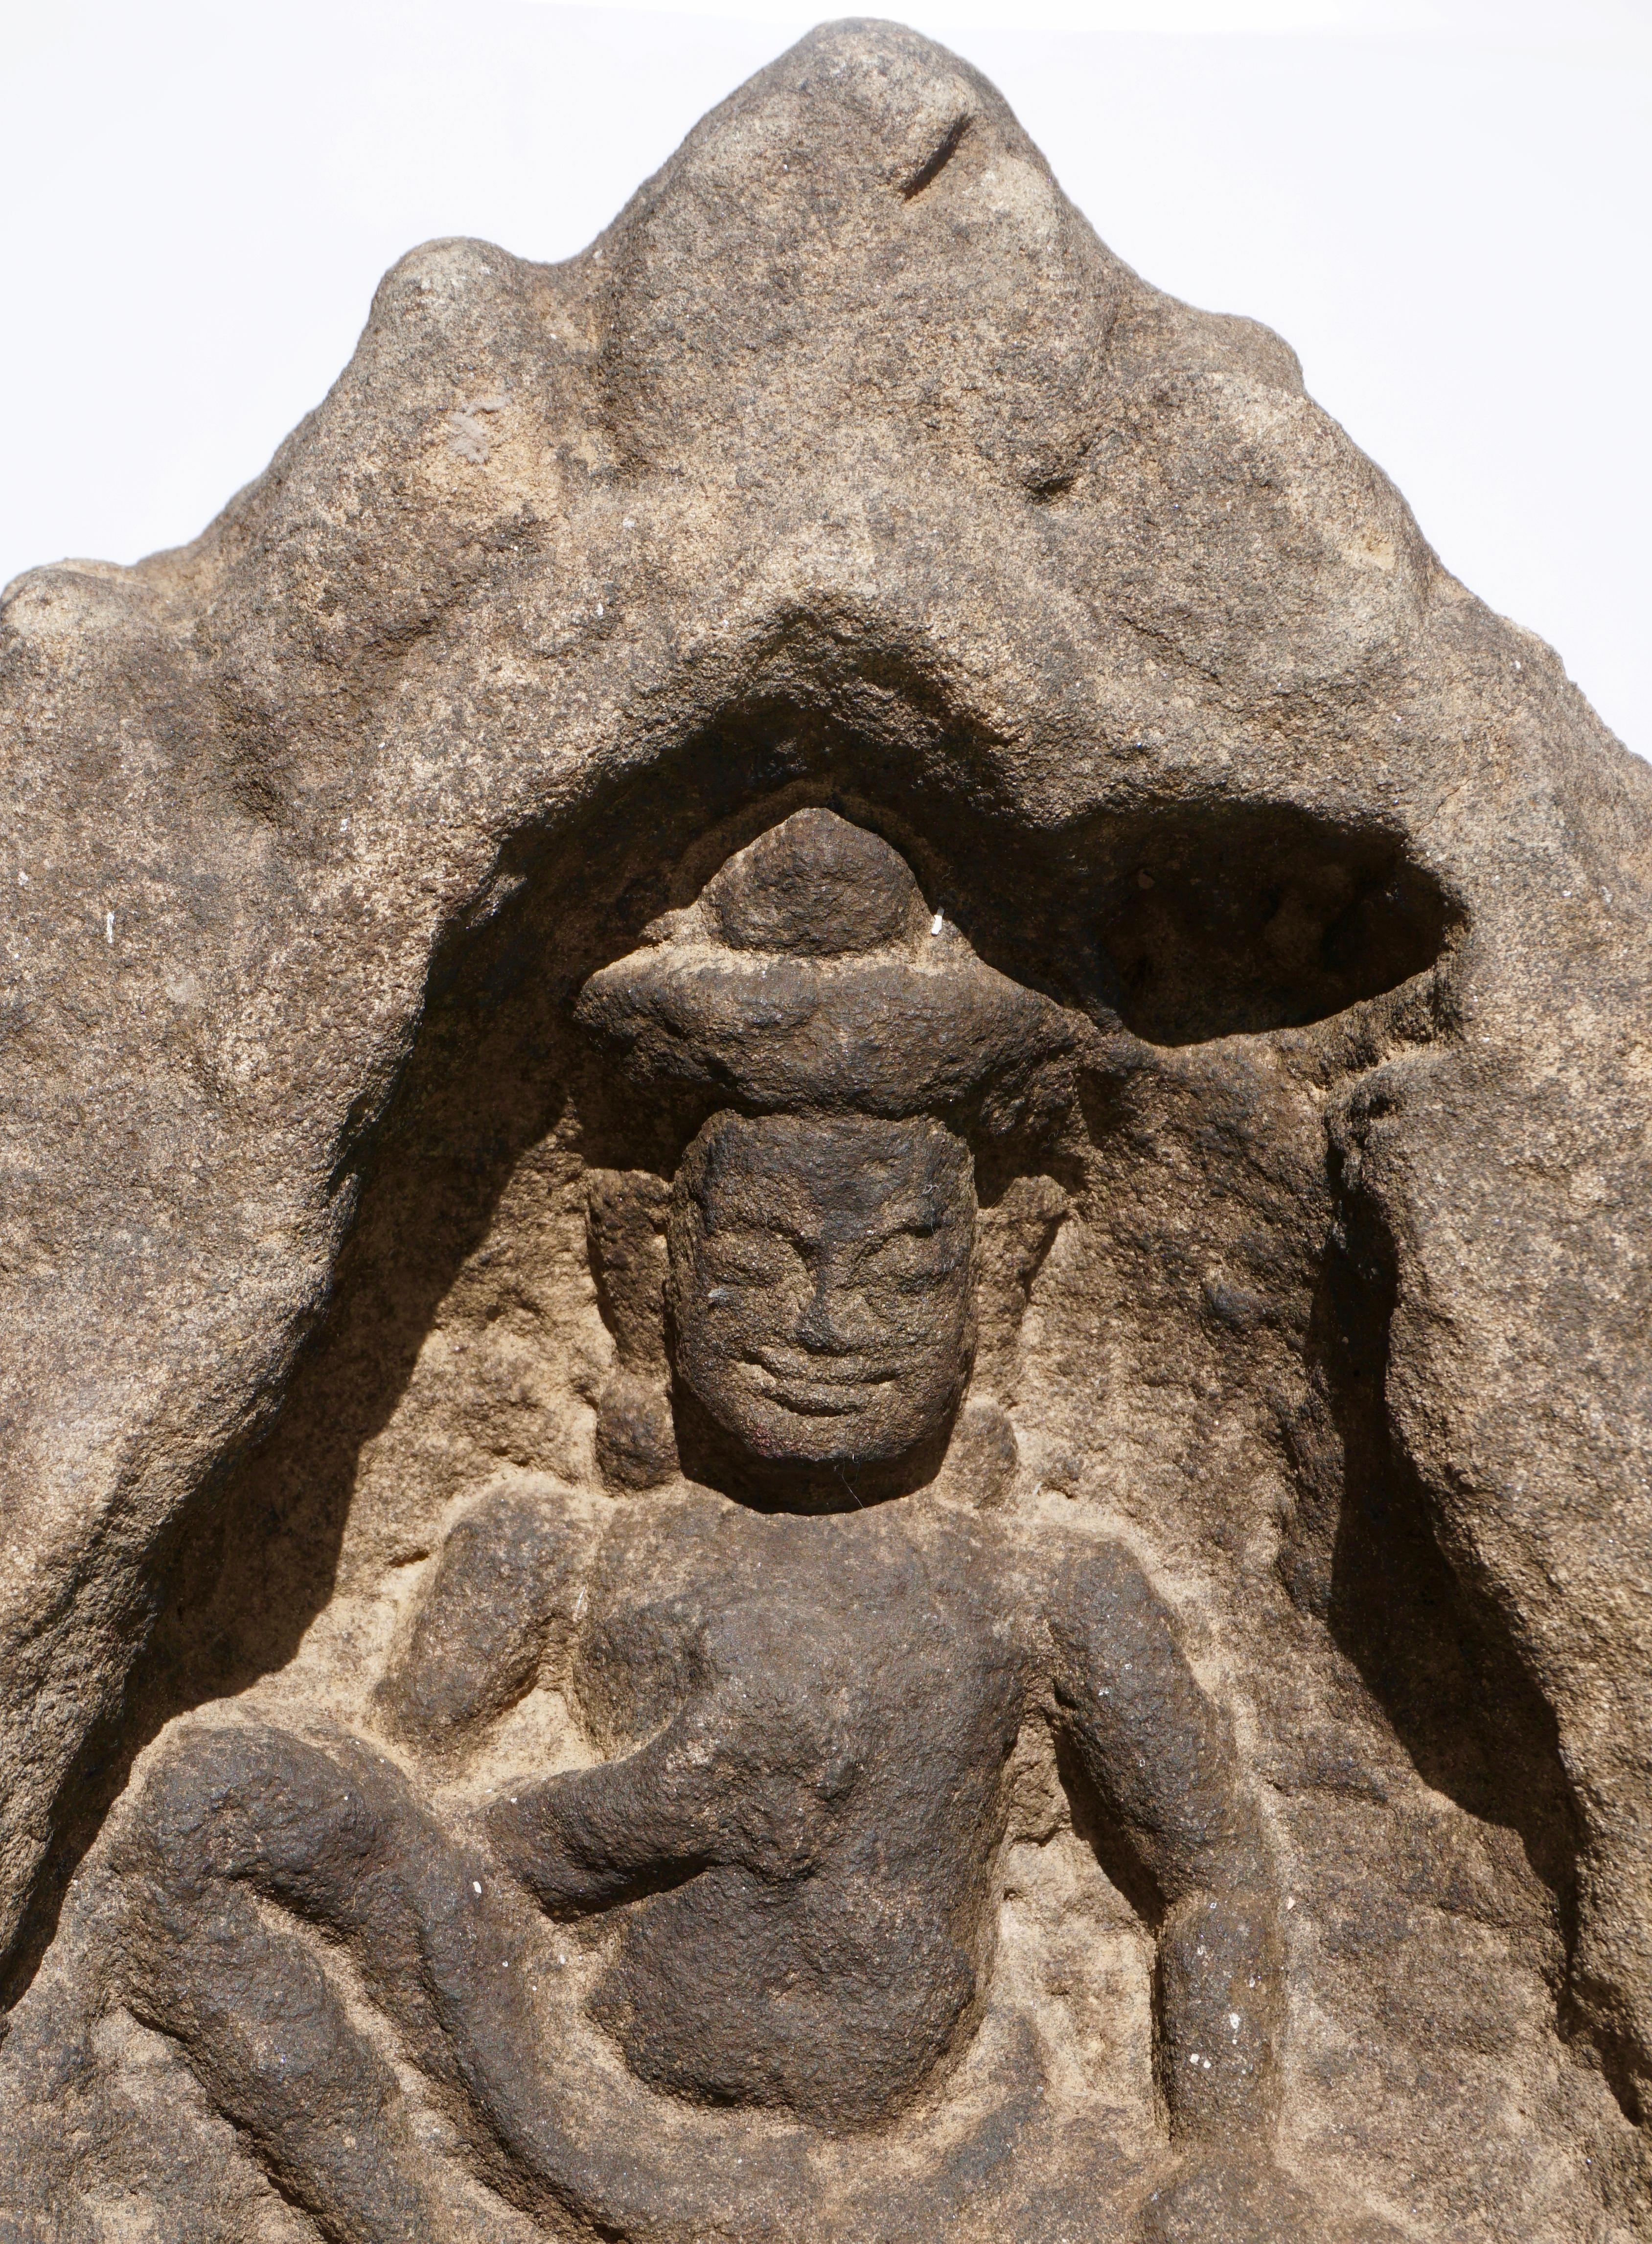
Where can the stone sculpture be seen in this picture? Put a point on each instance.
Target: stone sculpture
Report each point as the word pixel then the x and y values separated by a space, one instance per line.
pixel 945 1068
pixel 810 1727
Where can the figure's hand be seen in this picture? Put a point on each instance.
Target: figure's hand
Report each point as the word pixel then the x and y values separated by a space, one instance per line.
pixel 735 1778
pixel 587 1837
pixel 1226 2200
pixel 536 1835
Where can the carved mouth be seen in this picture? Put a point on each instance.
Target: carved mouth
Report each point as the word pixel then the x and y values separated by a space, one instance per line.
pixel 816 1387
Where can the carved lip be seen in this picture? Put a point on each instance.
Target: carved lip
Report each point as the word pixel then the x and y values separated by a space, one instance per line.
pixel 817 1387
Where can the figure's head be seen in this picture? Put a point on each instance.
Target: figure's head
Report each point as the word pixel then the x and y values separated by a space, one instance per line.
pixel 820 1287
pixel 821 1225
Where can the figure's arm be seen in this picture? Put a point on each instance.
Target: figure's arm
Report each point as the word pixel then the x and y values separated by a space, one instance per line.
pixel 718 1785
pixel 500 1599
pixel 585 1837
pixel 1162 1757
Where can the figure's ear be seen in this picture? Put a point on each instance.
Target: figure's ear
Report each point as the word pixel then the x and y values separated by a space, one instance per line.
pixel 982 1457
pixel 625 1232
pixel 1012 1239
pixel 626 1214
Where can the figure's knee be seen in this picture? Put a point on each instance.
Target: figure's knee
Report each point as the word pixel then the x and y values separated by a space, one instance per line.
pixel 246 2000
pixel 248 1800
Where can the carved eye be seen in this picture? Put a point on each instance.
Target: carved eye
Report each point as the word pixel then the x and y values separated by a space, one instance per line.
pixel 736 1259
pixel 915 1259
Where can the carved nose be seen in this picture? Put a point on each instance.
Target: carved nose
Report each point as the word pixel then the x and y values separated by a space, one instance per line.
pixel 819 1328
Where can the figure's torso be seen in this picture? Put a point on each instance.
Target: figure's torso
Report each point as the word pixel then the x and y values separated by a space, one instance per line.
pixel 861 1691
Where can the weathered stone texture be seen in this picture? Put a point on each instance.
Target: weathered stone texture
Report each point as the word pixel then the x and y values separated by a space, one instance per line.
pixel 847 469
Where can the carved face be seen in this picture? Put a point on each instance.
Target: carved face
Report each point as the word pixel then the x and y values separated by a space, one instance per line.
pixel 820 1284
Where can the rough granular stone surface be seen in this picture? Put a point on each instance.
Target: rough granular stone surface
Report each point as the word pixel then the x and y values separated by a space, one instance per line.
pixel 825 1281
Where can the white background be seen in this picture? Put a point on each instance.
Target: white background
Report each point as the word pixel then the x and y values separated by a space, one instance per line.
pixel 1442 204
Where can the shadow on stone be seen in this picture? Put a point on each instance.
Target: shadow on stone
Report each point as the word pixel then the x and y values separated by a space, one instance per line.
pixel 1439 1660
pixel 1181 924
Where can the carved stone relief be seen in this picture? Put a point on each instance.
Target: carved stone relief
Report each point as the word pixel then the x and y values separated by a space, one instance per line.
pixel 878 1481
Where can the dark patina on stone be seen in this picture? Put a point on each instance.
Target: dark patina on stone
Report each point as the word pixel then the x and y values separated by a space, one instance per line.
pixel 825 1295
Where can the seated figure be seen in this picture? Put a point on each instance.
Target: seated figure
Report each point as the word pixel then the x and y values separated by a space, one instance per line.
pixel 804 1657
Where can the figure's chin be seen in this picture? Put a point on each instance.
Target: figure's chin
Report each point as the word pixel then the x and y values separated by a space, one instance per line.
pixel 787 1460
pixel 805 1437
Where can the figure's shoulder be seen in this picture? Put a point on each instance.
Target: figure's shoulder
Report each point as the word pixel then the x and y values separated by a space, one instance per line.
pixel 524 1519
pixel 665 1538
pixel 1073 1565
pixel 502 1595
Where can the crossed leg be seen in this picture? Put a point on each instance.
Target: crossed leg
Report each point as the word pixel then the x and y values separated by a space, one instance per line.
pixel 243 1833
pixel 242 1829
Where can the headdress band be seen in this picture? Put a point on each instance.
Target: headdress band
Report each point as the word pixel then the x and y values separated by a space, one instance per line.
pixel 809 977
